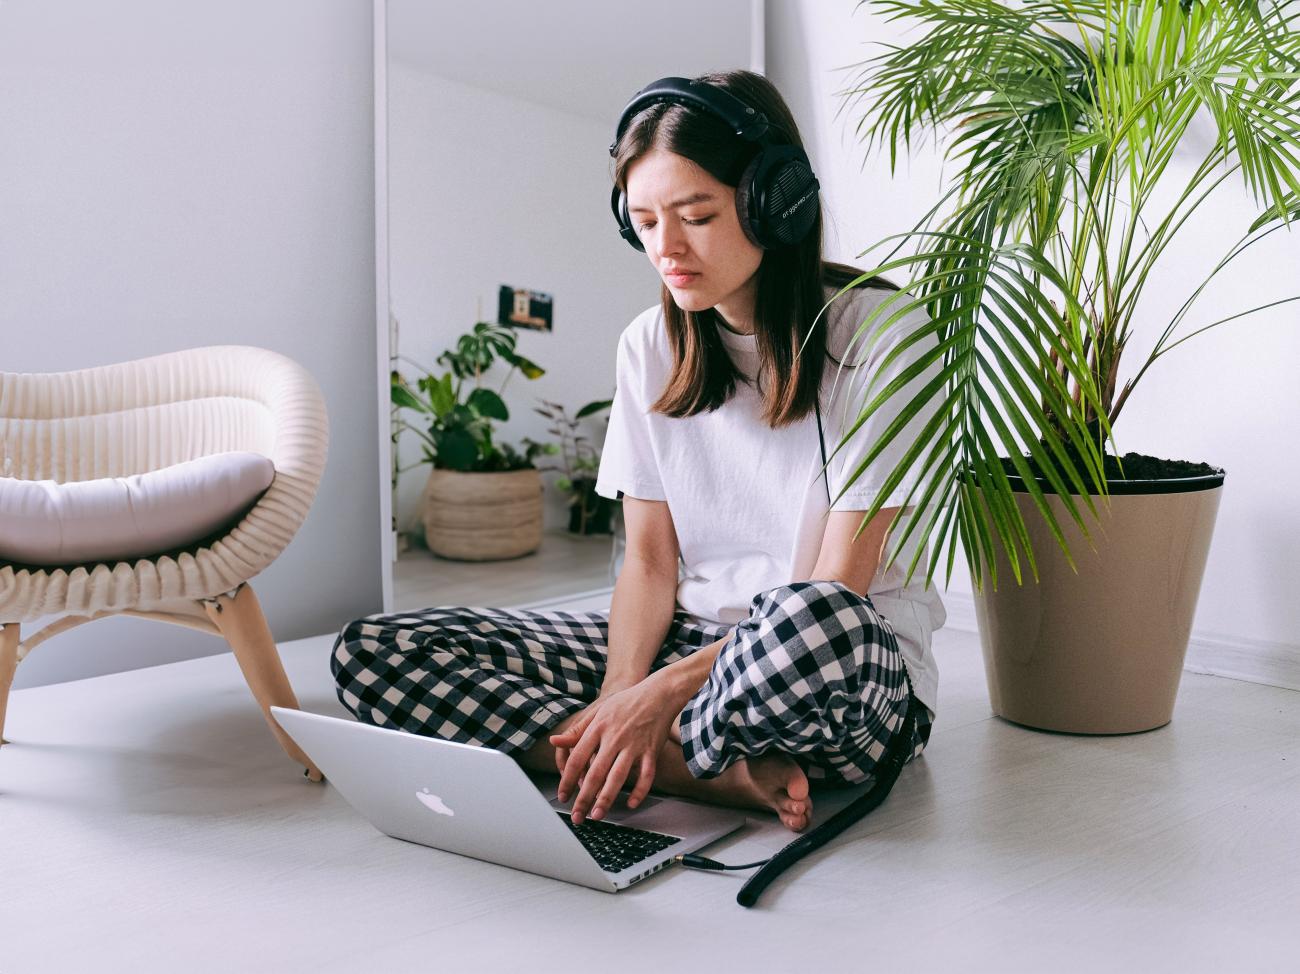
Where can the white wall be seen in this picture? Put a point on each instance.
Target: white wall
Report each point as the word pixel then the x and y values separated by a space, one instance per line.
pixel 487 189
pixel 175 175
pixel 1228 396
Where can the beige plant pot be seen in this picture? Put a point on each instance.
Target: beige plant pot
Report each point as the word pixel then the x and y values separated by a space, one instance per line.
pixel 1100 652
pixel 482 516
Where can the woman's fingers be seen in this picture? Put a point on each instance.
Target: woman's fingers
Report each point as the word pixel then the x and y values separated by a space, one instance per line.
pixel 564 742
pixel 576 764
pixel 571 734
pixel 595 779
pixel 613 785
pixel 562 750
pixel 644 779
pixel 568 737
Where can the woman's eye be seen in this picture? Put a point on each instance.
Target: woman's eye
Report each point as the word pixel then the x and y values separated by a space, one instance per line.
pixel 643 227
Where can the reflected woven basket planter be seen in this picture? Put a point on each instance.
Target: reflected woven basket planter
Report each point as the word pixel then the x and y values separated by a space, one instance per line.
pixel 1101 651
pixel 482 516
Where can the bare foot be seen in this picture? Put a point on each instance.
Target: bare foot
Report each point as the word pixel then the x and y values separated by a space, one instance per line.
pixel 771 781
pixel 778 783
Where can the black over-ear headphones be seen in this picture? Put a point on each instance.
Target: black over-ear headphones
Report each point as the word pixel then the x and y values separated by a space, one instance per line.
pixel 776 198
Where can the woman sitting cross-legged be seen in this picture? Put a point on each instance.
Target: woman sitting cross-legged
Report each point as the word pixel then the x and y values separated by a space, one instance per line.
pixel 752 645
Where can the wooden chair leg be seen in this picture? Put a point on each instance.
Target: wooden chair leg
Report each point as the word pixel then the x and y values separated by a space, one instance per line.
pixel 244 627
pixel 8 664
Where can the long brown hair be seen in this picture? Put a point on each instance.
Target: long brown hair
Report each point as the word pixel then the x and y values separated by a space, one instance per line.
pixel 790 279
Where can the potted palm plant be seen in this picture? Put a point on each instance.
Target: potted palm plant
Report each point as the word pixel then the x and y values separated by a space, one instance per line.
pixel 1063 118
pixel 483 498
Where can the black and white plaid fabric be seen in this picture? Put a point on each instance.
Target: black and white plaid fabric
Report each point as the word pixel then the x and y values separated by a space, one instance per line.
pixel 814 671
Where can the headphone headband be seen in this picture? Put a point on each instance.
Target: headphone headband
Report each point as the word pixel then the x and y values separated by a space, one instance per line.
pixel 747 122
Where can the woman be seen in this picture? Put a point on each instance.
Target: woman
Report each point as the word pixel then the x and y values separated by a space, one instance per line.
pixel 767 664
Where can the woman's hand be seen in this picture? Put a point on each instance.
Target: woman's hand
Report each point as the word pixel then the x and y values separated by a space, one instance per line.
pixel 617 736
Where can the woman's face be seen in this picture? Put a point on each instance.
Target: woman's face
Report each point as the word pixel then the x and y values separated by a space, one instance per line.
pixel 688 225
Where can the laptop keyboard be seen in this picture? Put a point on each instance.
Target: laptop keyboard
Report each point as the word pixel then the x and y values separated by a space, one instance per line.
pixel 615 847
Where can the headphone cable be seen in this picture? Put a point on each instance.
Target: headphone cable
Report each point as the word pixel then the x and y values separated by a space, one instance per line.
pixel 891 765
pixel 692 861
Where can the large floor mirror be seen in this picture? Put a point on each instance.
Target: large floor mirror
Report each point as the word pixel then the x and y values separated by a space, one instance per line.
pixel 493 177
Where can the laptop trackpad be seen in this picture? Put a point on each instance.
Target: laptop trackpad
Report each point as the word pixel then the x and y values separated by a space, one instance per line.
pixel 619 813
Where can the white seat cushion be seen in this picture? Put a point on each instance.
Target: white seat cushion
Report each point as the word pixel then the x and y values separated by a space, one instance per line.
pixel 45 523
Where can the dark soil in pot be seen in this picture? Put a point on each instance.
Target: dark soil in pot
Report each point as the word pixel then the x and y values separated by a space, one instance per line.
pixel 1137 466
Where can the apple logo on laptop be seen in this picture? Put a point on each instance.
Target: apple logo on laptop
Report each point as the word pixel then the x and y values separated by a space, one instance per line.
pixel 434 802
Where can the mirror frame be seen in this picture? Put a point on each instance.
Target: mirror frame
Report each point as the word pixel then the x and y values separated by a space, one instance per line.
pixel 387 534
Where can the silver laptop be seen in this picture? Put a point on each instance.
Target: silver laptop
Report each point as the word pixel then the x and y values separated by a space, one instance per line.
pixel 478 802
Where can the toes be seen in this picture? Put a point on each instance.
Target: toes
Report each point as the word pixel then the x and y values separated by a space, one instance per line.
pixel 795 823
pixel 796 785
pixel 798 810
pixel 795 819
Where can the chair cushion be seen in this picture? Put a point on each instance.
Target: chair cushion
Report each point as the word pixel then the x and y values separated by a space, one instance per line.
pixel 46 523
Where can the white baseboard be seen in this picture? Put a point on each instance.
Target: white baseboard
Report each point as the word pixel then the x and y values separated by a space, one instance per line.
pixel 1239 658
pixel 1235 658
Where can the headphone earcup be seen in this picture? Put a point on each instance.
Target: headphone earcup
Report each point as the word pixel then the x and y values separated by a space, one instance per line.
pixel 745 202
pixel 618 203
pixel 781 197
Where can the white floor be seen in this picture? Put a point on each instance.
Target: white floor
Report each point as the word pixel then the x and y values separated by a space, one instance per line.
pixel 564 563
pixel 148 822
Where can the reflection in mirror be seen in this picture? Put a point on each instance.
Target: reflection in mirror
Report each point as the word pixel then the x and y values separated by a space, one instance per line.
pixel 508 282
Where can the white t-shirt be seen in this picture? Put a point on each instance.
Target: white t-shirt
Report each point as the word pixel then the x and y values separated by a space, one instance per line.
pixel 748 501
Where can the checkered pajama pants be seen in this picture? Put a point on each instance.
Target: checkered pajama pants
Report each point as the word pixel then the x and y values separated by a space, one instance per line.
pixel 814 671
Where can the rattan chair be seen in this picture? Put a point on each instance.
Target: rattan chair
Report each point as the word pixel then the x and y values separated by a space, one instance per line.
pixel 142 416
